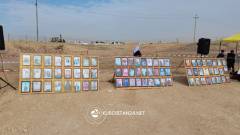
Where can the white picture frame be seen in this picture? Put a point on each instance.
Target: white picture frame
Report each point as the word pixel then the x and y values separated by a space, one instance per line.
pixel 26 73
pixel 86 73
pixel 36 86
pixel 47 60
pixel 58 61
pixel 37 73
pixel 26 60
pixel 47 87
pixel 47 73
pixel 67 61
pixel 77 61
pixel 68 73
pixel 37 60
pixel 77 73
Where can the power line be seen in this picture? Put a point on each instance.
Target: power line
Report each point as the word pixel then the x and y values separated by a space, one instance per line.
pixel 36 4
pixel 195 27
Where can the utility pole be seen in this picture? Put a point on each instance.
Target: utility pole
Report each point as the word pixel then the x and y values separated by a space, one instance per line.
pixel 37 18
pixel 195 27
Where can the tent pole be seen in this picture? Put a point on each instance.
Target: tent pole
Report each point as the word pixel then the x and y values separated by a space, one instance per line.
pixel 220 46
pixel 237 54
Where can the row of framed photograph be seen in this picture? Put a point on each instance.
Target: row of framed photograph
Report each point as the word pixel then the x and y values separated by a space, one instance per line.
pixel 197 81
pixel 58 73
pixel 144 62
pixel 210 62
pixel 143 82
pixel 58 86
pixel 58 60
pixel 142 72
pixel 206 71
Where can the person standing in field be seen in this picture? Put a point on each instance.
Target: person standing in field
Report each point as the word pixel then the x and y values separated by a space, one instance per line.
pixel 231 60
pixel 137 52
pixel 221 54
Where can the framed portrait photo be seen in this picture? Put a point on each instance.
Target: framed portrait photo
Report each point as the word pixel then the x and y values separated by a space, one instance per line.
pixel 209 62
pixel 161 62
pixel 162 72
pixel 201 72
pixel 36 86
pixel 124 61
pixel 25 87
pixel 126 82
pixel 118 62
pixel 143 62
pixel 150 72
pixel 209 80
pixel 58 86
pixel 77 61
pixel 189 72
pixel 37 73
pixel 125 72
pixel 130 61
pixel 118 72
pixel 168 71
pixel 206 71
pixel 132 82
pixel 156 72
pixel 67 61
pixel 77 73
pixel 195 72
pixel 68 73
pixel 26 73
pixel 85 85
pixel 47 73
pixel 119 83
pixel 138 82
pixel 219 62
pixel 94 73
pixel 77 86
pixel 86 62
pixel 144 71
pixel 47 60
pixel 214 62
pixel 144 82
pixel 191 81
pixel 138 72
pixel 37 60
pixel 94 85
pixel 150 82
pixel 204 62
pixel 155 63
pixel 203 81
pixel 169 81
pixel 167 62
pixel 163 82
pixel 199 62
pixel 137 62
pixel 149 62
pixel 131 72
pixel 86 73
pixel 194 63
pixel 26 60
pixel 58 61
pixel 67 86
pixel 157 82
pixel 47 86
pixel 197 81
pixel 94 61
pixel 58 73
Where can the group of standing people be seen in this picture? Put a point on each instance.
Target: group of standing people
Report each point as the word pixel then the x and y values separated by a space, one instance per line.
pixel 230 59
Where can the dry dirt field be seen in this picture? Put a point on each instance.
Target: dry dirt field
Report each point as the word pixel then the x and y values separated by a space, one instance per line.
pixel 177 110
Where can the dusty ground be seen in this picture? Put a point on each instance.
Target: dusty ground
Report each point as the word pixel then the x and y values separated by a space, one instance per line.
pixel 177 110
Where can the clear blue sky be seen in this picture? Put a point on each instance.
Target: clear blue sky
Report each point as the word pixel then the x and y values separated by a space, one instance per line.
pixel 134 20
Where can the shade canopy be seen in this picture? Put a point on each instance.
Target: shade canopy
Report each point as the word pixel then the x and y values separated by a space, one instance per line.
pixel 233 39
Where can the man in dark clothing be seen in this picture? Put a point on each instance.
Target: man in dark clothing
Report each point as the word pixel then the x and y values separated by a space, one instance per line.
pixel 231 60
pixel 221 54
pixel 137 52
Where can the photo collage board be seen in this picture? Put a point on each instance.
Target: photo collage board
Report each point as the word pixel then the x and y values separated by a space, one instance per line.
pixel 134 72
pixel 46 73
pixel 206 71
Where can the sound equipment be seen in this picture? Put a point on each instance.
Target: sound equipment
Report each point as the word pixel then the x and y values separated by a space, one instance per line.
pixel 2 44
pixel 203 46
